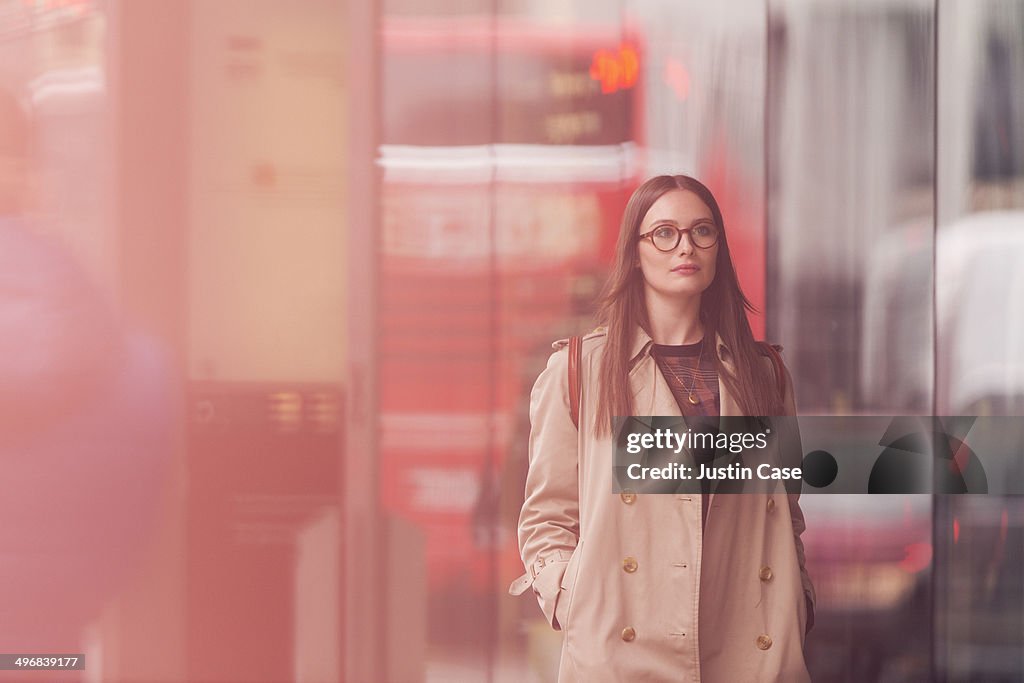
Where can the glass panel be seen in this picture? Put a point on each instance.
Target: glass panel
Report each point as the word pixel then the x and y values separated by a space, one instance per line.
pixel 851 110
pixel 505 151
pixel 79 491
pixel 568 96
pixel 436 315
pixel 266 338
pixel 850 115
pixel 172 337
pixel 704 115
pixel 979 289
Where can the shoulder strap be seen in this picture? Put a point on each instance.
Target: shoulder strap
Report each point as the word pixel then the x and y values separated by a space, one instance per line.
pixel 575 387
pixel 780 373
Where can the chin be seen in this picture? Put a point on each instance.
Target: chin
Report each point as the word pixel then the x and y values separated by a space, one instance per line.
pixel 687 290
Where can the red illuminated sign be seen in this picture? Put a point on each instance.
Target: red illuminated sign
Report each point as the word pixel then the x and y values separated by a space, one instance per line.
pixel 615 69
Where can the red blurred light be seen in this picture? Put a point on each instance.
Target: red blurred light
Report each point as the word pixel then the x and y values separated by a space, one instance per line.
pixel 917 557
pixel 615 69
pixel 956 530
pixel 678 78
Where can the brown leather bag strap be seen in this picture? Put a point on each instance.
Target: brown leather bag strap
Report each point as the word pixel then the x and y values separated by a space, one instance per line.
pixel 575 387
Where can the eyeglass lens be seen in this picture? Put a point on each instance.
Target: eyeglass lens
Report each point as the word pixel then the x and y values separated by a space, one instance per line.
pixel 667 237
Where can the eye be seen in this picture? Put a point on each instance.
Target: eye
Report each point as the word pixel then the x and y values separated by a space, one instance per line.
pixel 664 232
pixel 704 230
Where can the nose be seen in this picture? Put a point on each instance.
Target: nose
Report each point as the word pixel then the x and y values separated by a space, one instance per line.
pixel 686 245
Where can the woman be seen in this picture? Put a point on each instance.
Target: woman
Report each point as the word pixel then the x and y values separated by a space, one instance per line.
pixel 675 587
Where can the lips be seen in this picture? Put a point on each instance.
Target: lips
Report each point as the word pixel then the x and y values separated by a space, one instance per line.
pixel 686 268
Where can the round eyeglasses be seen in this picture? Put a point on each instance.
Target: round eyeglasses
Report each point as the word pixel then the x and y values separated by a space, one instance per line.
pixel 667 237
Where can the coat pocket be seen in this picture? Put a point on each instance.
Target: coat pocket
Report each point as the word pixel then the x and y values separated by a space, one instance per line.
pixel 567 589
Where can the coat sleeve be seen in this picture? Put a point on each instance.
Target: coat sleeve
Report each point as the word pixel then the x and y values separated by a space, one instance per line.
pixel 549 524
pixel 794 448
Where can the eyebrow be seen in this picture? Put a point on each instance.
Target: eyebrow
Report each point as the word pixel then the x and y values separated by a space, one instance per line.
pixel 696 221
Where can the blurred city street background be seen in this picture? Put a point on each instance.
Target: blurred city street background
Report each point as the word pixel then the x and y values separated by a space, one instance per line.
pixel 277 277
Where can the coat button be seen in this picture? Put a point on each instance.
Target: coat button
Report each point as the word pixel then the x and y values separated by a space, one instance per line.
pixel 629 565
pixel 763 642
pixel 629 634
pixel 765 573
pixel 628 496
pixel 771 504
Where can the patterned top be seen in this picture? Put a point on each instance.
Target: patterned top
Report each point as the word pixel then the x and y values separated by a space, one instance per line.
pixel 678 364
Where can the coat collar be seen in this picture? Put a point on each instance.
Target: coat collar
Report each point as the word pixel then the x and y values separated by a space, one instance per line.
pixel 651 392
pixel 642 347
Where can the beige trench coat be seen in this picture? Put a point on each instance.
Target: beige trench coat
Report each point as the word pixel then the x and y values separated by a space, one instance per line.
pixel 640 592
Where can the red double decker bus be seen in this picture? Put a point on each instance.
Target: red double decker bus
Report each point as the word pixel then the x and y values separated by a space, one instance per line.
pixel 508 154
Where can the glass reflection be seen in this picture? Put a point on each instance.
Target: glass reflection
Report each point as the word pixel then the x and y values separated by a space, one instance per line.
pixel 979 590
pixel 850 111
pixel 181 170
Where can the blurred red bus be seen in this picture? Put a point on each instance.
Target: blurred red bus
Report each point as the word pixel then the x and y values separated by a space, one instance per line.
pixel 508 155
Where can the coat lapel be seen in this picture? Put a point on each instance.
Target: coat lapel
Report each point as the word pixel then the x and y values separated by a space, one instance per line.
pixel 727 403
pixel 651 395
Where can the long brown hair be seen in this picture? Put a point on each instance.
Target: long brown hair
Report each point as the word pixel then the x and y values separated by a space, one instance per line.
pixel 723 311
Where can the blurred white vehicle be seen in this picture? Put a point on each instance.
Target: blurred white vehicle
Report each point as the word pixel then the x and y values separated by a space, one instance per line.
pixel 978 338
pixel 979 290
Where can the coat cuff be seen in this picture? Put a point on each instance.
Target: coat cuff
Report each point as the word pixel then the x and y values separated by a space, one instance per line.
pixel 545 577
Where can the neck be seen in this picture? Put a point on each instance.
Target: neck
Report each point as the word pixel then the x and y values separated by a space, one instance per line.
pixel 674 321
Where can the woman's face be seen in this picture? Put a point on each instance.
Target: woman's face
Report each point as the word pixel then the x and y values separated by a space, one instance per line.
pixel 687 270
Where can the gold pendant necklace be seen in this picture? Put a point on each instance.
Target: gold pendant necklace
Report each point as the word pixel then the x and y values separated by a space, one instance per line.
pixel 691 398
